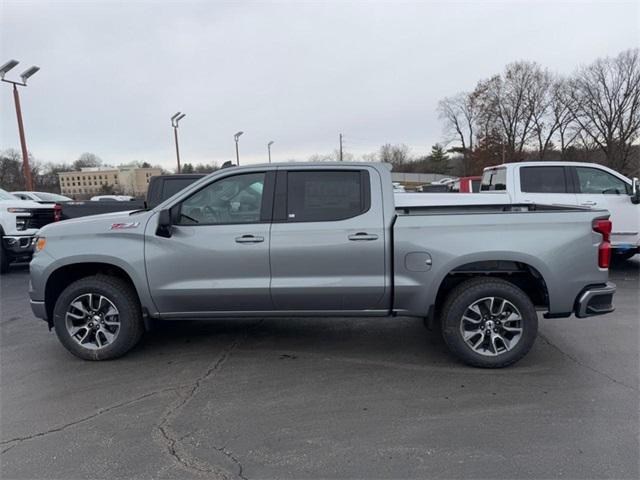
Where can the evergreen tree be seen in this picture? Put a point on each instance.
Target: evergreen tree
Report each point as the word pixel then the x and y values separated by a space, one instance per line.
pixel 438 160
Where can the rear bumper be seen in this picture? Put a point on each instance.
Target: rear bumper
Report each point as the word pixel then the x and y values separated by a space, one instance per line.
pixel 595 300
pixel 20 244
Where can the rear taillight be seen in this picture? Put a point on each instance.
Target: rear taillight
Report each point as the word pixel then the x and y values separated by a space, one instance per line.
pixel 57 213
pixel 603 227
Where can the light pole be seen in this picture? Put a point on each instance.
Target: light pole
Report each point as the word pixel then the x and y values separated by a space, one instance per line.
pixel 16 98
pixel 269 148
pixel 174 123
pixel 236 137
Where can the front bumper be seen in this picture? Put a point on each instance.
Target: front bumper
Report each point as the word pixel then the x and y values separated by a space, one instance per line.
pixel 19 244
pixel 595 300
pixel 38 309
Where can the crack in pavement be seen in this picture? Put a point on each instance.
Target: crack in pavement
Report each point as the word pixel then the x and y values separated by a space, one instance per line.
pixel 584 365
pixel 17 440
pixel 167 438
pixel 233 458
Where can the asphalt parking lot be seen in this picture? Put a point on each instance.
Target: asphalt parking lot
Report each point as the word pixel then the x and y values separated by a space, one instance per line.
pixel 320 398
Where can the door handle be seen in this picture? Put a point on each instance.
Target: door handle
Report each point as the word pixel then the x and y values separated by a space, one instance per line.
pixel 589 204
pixel 362 236
pixel 249 239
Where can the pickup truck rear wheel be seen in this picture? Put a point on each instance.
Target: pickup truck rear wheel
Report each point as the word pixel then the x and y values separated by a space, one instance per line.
pixel 98 318
pixel 489 323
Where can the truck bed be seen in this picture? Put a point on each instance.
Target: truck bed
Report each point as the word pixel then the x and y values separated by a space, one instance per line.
pixel 431 242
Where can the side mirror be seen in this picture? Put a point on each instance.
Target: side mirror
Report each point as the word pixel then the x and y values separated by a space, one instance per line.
pixel 164 224
pixel 635 191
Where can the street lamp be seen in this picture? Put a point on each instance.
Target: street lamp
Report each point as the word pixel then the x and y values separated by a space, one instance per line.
pixel 269 148
pixel 24 76
pixel 174 123
pixel 236 137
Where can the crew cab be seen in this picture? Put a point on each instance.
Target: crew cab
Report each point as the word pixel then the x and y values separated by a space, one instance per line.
pixel 19 223
pixel 321 239
pixel 587 185
pixel 572 183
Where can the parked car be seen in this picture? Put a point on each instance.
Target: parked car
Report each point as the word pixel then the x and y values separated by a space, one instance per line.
pixel 19 223
pixel 433 188
pixel 108 198
pixel 42 197
pixel 571 183
pixel 321 239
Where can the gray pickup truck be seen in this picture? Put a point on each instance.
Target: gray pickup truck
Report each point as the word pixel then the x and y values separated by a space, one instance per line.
pixel 321 239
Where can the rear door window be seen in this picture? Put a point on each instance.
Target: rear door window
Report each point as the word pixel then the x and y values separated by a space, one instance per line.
pixel 494 179
pixel 543 179
pixel 324 196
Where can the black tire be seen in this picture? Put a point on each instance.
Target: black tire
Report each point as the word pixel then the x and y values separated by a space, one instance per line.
pixel 122 296
pixel 462 297
pixel 4 258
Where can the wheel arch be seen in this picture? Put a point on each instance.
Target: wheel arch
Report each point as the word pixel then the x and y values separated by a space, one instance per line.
pixel 522 274
pixel 64 275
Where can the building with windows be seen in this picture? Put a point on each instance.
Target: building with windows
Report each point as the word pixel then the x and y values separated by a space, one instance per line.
pixel 94 181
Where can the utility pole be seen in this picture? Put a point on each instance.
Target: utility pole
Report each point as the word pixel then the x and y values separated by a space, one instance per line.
pixel 236 137
pixel 16 98
pixel 269 149
pixel 174 123
pixel 341 147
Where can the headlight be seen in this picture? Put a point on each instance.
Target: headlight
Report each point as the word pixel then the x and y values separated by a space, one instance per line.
pixel 19 210
pixel 21 223
pixel 41 242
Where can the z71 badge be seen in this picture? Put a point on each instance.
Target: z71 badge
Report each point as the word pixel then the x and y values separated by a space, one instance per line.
pixel 122 226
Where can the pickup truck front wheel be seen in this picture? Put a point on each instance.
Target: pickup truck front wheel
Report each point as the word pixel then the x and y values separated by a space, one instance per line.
pixel 4 258
pixel 98 318
pixel 489 323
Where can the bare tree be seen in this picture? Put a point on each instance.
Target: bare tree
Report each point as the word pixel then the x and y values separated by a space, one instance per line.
pixel 460 114
pixel 568 130
pixel 506 107
pixel 11 177
pixel 87 160
pixel 369 157
pixel 396 155
pixel 322 157
pixel 544 110
pixel 605 102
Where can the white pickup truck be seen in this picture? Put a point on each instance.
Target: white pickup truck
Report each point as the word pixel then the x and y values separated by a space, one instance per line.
pixel 556 183
pixel 20 221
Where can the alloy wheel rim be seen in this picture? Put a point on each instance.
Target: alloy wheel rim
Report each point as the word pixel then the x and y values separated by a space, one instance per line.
pixel 92 321
pixel 491 326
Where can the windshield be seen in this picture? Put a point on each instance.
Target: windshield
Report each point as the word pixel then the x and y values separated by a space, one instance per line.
pixel 51 197
pixel 6 196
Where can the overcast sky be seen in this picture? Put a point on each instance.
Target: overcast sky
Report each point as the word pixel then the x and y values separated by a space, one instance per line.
pixel 297 73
